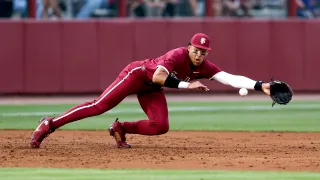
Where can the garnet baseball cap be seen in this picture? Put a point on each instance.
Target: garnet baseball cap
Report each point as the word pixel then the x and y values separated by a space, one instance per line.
pixel 201 41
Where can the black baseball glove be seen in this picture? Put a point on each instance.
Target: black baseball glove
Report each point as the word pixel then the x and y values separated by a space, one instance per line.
pixel 280 92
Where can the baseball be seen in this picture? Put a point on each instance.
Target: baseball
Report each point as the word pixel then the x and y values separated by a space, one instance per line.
pixel 243 91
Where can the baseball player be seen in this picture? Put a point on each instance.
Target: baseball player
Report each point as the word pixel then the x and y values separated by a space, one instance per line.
pixel 178 68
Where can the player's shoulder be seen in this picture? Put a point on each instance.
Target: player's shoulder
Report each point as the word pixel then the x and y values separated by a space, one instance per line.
pixel 207 64
pixel 179 51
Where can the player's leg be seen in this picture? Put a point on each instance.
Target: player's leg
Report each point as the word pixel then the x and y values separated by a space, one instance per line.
pixel 123 86
pixel 111 97
pixel 155 106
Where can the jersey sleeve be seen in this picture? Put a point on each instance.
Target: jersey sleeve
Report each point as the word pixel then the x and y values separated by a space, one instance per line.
pixel 209 70
pixel 167 64
pixel 170 60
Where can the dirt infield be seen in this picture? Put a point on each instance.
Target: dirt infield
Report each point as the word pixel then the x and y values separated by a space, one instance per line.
pixel 174 150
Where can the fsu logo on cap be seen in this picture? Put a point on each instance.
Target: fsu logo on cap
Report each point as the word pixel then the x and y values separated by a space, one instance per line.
pixel 203 40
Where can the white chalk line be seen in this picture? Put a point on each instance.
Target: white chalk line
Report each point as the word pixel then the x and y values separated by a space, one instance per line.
pixel 181 109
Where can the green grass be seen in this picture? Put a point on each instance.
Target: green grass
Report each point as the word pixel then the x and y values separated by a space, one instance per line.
pixel 247 116
pixel 95 174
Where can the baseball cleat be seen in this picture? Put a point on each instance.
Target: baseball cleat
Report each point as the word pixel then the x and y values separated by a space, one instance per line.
pixel 42 131
pixel 117 132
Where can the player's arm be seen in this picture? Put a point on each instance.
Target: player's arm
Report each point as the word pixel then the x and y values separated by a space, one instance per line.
pixel 162 76
pixel 238 81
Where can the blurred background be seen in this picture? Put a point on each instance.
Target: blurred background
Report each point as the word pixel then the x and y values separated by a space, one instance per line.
pixel 84 9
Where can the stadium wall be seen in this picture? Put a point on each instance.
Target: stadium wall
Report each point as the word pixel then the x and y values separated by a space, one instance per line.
pixel 57 57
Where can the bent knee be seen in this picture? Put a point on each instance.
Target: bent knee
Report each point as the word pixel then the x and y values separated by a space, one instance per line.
pixel 164 129
pixel 160 128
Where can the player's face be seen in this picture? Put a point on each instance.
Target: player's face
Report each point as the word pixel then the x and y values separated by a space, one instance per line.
pixel 197 55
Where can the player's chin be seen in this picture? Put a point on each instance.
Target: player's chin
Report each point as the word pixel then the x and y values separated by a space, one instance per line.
pixel 197 63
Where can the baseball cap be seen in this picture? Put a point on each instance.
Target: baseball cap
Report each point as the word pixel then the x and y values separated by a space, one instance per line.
pixel 201 41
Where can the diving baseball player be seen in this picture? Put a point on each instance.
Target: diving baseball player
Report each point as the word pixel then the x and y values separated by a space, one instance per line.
pixel 178 68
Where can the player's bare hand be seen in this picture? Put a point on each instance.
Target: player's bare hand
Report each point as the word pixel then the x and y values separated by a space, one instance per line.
pixel 266 88
pixel 198 85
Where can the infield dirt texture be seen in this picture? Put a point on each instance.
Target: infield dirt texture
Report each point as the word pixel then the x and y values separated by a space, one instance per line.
pixel 175 150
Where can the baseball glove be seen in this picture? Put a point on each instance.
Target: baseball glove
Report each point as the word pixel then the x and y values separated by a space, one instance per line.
pixel 280 92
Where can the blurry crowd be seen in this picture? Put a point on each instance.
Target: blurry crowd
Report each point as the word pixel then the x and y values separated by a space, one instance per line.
pixel 222 8
pixel 83 9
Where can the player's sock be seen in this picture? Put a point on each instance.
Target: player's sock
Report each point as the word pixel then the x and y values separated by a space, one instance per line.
pixel 78 112
pixel 145 127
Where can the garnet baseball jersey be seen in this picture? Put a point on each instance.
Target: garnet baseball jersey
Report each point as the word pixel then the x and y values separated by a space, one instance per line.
pixel 132 80
pixel 177 63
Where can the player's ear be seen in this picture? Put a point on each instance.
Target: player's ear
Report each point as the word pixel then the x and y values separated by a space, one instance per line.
pixel 189 46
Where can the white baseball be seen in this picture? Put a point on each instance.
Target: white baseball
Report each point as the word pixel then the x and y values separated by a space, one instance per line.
pixel 243 91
